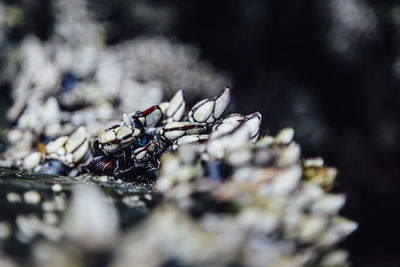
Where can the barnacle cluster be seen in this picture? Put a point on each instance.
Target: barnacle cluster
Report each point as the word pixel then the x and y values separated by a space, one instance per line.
pixel 255 205
pixel 229 195
pixel 131 149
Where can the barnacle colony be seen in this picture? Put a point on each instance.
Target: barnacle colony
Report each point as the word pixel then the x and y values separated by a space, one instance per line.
pixel 131 149
pixel 231 192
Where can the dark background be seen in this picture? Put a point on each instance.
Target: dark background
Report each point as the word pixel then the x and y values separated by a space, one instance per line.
pixel 330 69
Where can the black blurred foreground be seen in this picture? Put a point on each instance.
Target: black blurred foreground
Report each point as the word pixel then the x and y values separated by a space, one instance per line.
pixel 330 69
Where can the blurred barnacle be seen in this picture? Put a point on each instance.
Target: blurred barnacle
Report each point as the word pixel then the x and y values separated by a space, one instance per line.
pixel 352 21
pixel 280 197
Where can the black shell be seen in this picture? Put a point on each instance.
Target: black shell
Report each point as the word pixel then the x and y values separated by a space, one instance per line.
pixel 102 165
